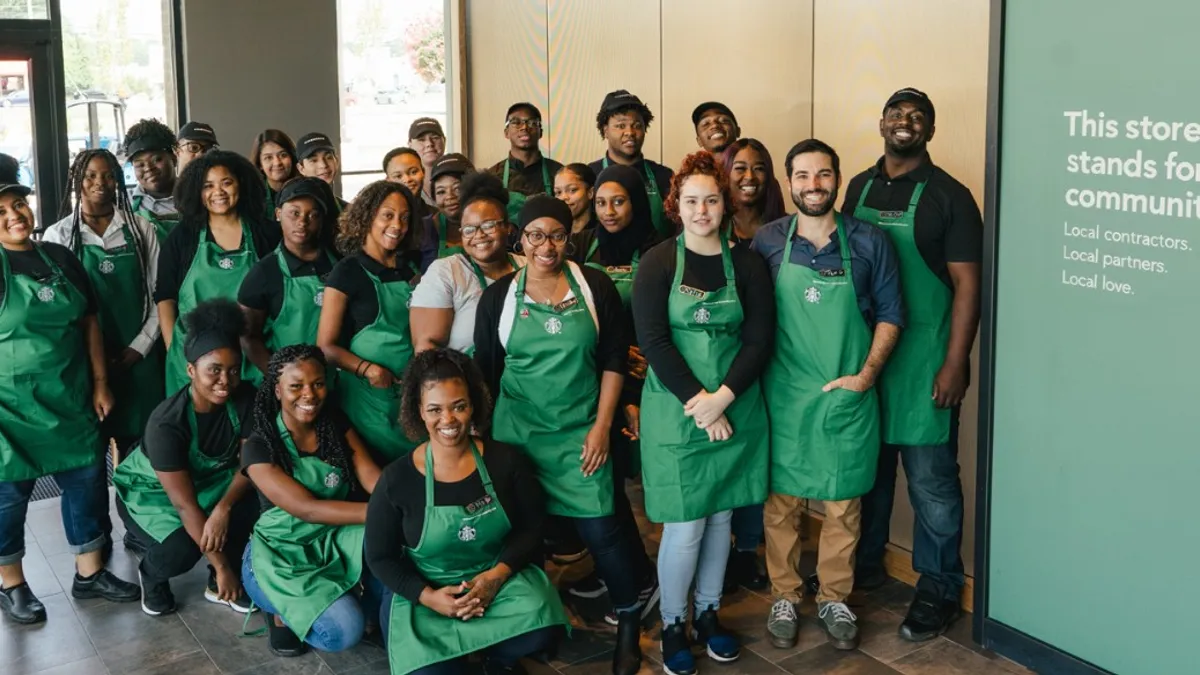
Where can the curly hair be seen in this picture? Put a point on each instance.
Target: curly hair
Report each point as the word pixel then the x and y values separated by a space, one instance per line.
pixel 701 163
pixel 219 315
pixel 331 444
pixel 642 109
pixel 439 365
pixel 355 221
pixel 156 135
pixel 75 193
pixel 773 207
pixel 278 138
pixel 189 189
pixel 482 185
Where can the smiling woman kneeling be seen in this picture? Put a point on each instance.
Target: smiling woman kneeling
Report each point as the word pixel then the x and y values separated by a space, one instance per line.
pixel 454 531
pixel 305 556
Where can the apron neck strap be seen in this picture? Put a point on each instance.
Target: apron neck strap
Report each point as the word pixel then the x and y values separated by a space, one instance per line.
pixel 230 412
pixel 843 246
pixel 523 273
pixel 726 259
pixel 484 476
pixel 546 183
pixel 916 196
pixel 286 435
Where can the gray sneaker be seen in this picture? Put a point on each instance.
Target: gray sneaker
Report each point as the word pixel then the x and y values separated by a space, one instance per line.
pixel 783 625
pixel 839 624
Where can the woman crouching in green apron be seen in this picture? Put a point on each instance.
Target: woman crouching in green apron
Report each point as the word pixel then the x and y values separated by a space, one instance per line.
pixel 282 294
pixel 364 327
pixel 53 387
pixel 220 237
pixel 305 558
pixel 179 492
pixel 454 533
pixel 706 332
pixel 553 342
pixel 443 308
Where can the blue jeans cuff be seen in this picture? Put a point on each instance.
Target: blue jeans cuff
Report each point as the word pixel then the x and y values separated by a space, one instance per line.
pixel 13 558
pixel 93 545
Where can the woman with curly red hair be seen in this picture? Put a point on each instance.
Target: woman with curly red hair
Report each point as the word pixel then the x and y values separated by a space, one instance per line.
pixel 706 342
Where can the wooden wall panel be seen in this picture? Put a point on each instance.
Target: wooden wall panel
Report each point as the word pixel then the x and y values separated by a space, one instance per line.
pixel 766 81
pixel 597 46
pixel 864 50
pixel 507 52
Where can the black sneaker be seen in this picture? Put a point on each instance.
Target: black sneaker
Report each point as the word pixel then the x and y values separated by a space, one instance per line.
pixel 157 598
pixel 21 605
pixel 591 586
pixel 242 604
pixel 282 641
pixel 648 599
pixel 677 656
pixel 742 570
pixel 104 584
pixel 928 617
pixel 721 645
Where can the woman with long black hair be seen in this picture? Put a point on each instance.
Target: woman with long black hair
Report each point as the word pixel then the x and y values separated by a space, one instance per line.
pixel 119 252
pixel 274 154
pixel 221 236
pixel 364 328
pixel 757 197
pixel 305 556
pixel 283 293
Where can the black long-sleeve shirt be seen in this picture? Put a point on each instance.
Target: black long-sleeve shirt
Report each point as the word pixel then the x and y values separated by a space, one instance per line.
pixel 652 290
pixel 179 250
pixel 396 514
pixel 612 346
pixel 30 264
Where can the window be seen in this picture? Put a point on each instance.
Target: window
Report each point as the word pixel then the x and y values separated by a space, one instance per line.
pixel 25 9
pixel 393 70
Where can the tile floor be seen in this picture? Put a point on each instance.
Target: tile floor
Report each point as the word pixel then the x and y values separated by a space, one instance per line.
pixel 95 637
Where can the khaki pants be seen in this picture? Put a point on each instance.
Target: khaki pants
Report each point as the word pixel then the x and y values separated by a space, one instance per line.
pixel 835 553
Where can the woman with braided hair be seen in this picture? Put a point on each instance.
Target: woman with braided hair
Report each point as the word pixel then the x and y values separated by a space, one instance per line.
pixel 305 556
pixel 119 252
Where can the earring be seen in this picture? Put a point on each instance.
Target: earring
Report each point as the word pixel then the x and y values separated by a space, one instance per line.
pixel 517 248
pixel 571 249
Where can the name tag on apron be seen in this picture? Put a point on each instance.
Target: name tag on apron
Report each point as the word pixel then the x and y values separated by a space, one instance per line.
pixel 566 304
pixel 839 272
pixel 622 269
pixel 688 290
pixel 891 215
pixel 478 504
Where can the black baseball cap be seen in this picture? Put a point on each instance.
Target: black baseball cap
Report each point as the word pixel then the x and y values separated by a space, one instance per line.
pixel 145 144
pixel 310 144
pixel 620 100
pixel 711 105
pixel 453 164
pixel 304 186
pixel 424 125
pixel 9 168
pixel 914 96
pixel 524 105
pixel 198 132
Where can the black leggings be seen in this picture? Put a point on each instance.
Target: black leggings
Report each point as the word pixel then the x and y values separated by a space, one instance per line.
pixel 178 552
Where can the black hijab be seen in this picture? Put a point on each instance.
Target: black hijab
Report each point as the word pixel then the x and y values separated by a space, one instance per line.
pixel 618 249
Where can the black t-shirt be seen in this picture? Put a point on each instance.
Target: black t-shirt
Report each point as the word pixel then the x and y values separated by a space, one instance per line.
pixel 396 514
pixel 652 291
pixel 948 227
pixel 30 264
pixel 262 289
pixel 349 276
pixel 177 252
pixel 168 439
pixel 257 450
pixel 527 179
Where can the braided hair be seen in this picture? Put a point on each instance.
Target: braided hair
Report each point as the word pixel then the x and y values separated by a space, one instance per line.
pixel 331 443
pixel 123 204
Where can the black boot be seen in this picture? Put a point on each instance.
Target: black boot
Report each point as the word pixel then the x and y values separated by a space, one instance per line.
pixel 627 659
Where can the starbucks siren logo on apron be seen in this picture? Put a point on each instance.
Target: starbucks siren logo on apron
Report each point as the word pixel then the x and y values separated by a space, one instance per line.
pixel 702 315
pixel 332 479
pixel 319 298
pixel 106 266
pixel 45 294
pixel 553 325
pixel 466 533
pixel 812 294
pixel 225 263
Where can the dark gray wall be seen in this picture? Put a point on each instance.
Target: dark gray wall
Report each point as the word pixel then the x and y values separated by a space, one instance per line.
pixel 255 64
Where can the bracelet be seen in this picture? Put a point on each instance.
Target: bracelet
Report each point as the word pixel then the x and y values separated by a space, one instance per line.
pixel 362 368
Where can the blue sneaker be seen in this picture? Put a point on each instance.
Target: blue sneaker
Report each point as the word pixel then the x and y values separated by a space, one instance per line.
pixel 720 644
pixel 677 650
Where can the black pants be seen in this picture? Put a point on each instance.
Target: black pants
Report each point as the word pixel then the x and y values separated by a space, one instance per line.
pixel 179 553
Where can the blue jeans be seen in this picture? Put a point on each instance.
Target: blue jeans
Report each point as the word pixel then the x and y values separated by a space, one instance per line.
pixel 697 549
pixel 340 626
pixel 748 527
pixel 84 511
pixel 935 492
pixel 611 543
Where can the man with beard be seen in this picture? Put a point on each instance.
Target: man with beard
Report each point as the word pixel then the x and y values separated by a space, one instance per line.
pixel 935 226
pixel 716 127
pixel 837 296
pixel 526 170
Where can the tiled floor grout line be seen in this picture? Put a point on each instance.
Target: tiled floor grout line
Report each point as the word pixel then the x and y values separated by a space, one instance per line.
pixel 199 642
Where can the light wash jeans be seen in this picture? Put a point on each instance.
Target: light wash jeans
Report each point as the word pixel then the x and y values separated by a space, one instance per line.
pixel 696 550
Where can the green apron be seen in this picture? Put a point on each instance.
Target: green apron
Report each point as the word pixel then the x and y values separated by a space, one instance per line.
pixel 120 286
pixel 549 393
pixel 304 567
pixel 621 275
pixel 456 545
pixel 484 282
pixel 443 250
pixel 906 383
pixel 163 223
pixel 685 475
pixel 516 200
pixel 299 314
pixel 655 197
pixel 214 273
pixel 824 445
pixel 137 485
pixel 375 413
pixel 47 422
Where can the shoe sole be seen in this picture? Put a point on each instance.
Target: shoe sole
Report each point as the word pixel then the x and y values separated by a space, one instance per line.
pixel 92 595
pixel 843 645
pixel 926 637
pixel 590 595
pixel 668 671
pixel 146 610
pixel 783 643
pixel 721 659
pixel 212 597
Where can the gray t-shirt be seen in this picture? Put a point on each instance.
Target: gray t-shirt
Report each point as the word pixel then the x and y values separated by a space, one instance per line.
pixel 450 283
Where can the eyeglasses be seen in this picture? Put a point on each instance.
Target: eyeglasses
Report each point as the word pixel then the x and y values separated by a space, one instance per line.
pixel 194 148
pixel 537 237
pixel 487 227
pixel 519 122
